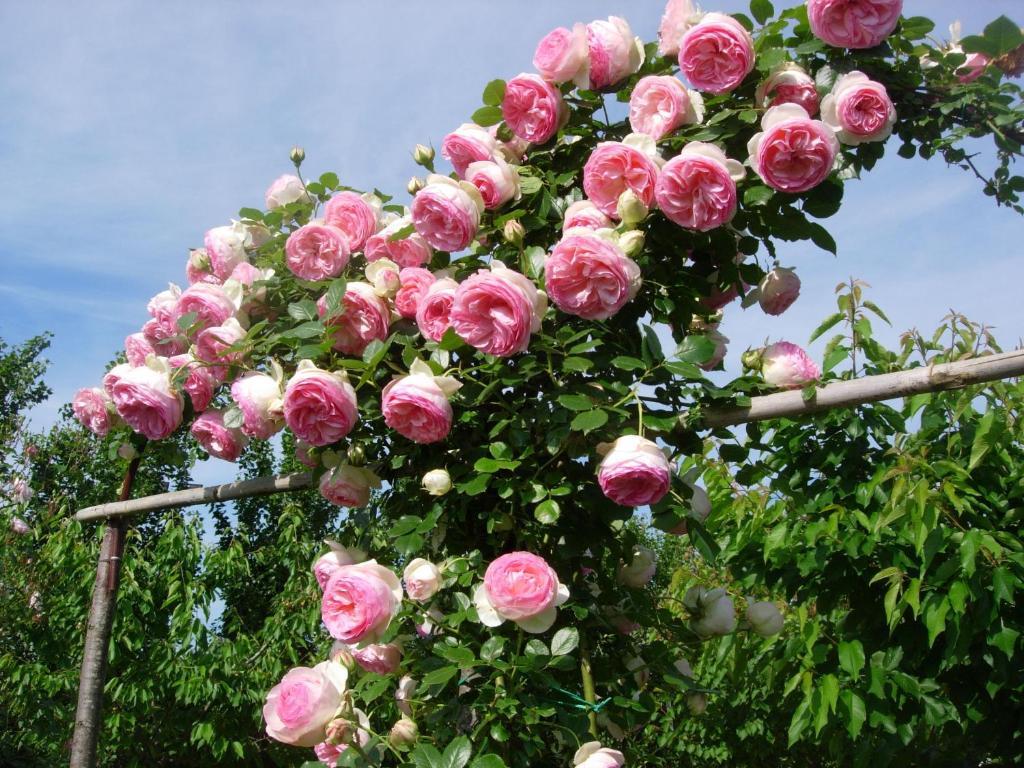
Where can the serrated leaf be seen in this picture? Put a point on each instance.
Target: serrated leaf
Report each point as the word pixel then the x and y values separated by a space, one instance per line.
pixel 984 439
pixel 575 402
pixel 440 676
pixel 827 324
pixel 233 417
pixel 755 196
pixel 565 641
pixel 333 297
pixel 762 10
pixel 487 116
pixel 303 310
pixel 696 349
pixel 624 363
pixel 494 93
pixel 589 420
pixel 547 512
pixel 488 761
pixel 1003 35
pixel 492 648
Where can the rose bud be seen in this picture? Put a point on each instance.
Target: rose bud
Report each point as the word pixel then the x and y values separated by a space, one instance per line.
pixel 437 482
pixel 403 733
pixel 423 155
pixel 778 290
pixel 765 618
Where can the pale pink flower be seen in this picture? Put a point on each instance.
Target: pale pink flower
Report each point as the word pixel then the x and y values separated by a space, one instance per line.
pixel 467 144
pixel 716 53
pixel 383 659
pixel 414 282
pixel 93 407
pixel 365 318
pixel 410 251
pixel 497 310
pixel 19 526
pixel 615 166
pixel 634 471
pixel 679 16
pixel 217 439
pixel 858 109
pixel 697 188
pixel 533 109
pixel 422 579
pixel 593 755
pixel 433 313
pixel 792 153
pixel 520 587
pixel 225 248
pixel 788 83
pixel 778 290
pixel 659 104
pixel 584 213
pixel 447 213
pixel 299 708
pixel 589 276
pixel 638 572
pixel 145 399
pixel 416 406
pixel 497 181
pixel 259 398
pixel 348 486
pixel 211 303
pixel 213 345
pixel 317 251
pixel 199 382
pixel 853 23
pixel 359 602
pixel 787 366
pixel 319 406
pixel 562 55
pixel 614 52
pixel 284 190
pixel 355 215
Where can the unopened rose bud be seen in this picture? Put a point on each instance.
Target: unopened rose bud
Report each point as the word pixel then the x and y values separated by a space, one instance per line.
pixel 697 702
pixel 513 232
pixel 778 290
pixel 297 155
pixel 403 733
pixel 127 451
pixel 630 208
pixel 415 185
pixel 341 654
pixel 632 242
pixel 751 359
pixel 339 731
pixel 356 455
pixel 199 260
pixel 437 482
pixel 423 155
pixel 765 618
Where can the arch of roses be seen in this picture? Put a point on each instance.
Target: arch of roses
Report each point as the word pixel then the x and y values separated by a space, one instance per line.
pixel 493 380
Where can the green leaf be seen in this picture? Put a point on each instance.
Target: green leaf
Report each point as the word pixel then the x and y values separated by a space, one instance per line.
pixel 762 10
pixel 530 185
pixel 575 402
pixel 537 648
pixel 440 676
pixel 983 439
pixel 1003 35
pixel 492 648
pixel 457 754
pixel 755 196
pixel 547 512
pixel 577 364
pixel 486 116
pixel 855 711
pixel 488 761
pixel 696 349
pixel 187 320
pixel 426 756
pixel 588 421
pixel 624 363
pixel 455 654
pixel 401 234
pixel 935 611
pixel 821 238
pixel 874 308
pixel 494 93
pixel 233 417
pixel 489 465
pixel 851 657
pixel 827 324
pixel 565 641
pixel 333 297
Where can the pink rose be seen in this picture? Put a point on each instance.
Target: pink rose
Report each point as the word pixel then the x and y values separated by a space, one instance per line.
pixel 853 23
pixel 716 53
pixel 348 486
pixel 217 439
pixel 720 341
pixel 495 311
pixel 259 398
pixel 422 579
pixel 788 84
pixel 467 144
pixel 413 285
pixel 366 317
pixel 359 602
pixel 416 406
pixel 381 659
pixel 144 398
pixel 328 563
pixel 614 52
pixel 164 337
pixel 520 587
pixel 584 213
pixel 593 755
pixel 858 109
pixel 285 190
pixel 562 54
pixel 511 151
pixel 19 526
pixel 319 406
pixel 787 366
pixel 213 345
pixel 697 188
pixel 198 268
pixel 612 168
pixel 316 251
pixel 93 407
pixel 533 108
pixel 973 68
pixel 200 381
pixel 303 456
pixel 299 708
pixel 355 215
pixel 497 181
pixel 634 472
pixel 447 213
pixel 659 104
pixel 679 16
pixel 778 290
pixel 21 491
pixel 410 251
pixel 163 306
pixel 137 348
pixel 404 693
pixel 225 248
pixel 792 153
pixel 589 276
pixel 433 313
pixel 211 304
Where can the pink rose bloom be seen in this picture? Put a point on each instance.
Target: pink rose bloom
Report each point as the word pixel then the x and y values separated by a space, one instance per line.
pixel 792 153
pixel 164 304
pixel 144 398
pixel 366 317
pixel 612 168
pixel 533 108
pixel 787 366
pixel 246 274
pixel 319 406
pixel 136 347
pixel 410 251
pixel 496 310
pixel 354 215
pixel 589 276
pixel 719 298
pixel 212 345
pixel 382 659
pixel 303 456
pixel 497 181
pixel 634 472
pixel 697 188
pixel 660 104
pixel 328 753
pixel 19 526
pixel 858 109
pixel 520 587
pixel 778 290
pixel 679 16
pixel 593 755
pixel 853 23
pixel 467 144
pixel 199 382
pixel 211 304
pixel 225 248
pixel 217 439
pixel 585 214
pixel 973 68
pixel 716 53
pixel 720 341
pixel 198 268
pixel 413 285
pixel 422 579
pixel 614 52
pixel 433 313
pixel 259 398
pixel 328 563
pixel 299 708
pixel 562 55
pixel 316 252
pixel 164 337
pixel 788 84
pixel 447 213
pixel 285 190
pixel 511 151
pixel 416 406
pixel 93 407
pixel 359 602
pixel 21 491
pixel 348 486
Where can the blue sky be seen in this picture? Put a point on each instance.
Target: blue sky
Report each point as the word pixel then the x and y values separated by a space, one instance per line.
pixel 129 128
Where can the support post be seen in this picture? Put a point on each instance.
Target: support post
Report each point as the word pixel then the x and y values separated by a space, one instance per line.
pixel 88 715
